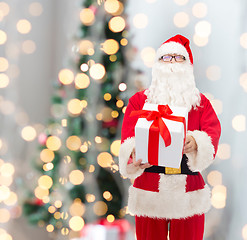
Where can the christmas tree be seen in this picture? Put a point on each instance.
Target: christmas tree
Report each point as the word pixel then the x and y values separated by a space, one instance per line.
pixel 78 180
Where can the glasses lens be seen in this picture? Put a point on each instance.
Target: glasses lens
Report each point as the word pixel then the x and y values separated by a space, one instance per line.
pixel 166 58
pixel 179 58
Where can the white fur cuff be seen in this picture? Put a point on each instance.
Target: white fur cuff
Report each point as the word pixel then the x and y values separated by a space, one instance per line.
pixel 200 160
pixel 124 154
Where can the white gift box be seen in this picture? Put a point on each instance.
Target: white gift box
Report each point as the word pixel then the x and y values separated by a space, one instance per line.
pixel 170 156
pixel 100 232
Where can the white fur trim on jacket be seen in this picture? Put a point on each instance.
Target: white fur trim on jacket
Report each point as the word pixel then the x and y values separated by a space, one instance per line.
pixel 124 154
pixel 200 160
pixel 171 202
pixel 170 48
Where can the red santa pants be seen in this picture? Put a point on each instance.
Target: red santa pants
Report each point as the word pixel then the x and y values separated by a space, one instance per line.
pixel 191 228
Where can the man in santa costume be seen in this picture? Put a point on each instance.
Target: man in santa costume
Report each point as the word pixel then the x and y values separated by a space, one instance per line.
pixel 161 198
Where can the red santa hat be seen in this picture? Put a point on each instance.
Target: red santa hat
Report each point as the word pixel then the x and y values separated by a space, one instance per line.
pixel 176 45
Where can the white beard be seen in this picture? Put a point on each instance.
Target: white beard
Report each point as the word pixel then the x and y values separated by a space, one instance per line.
pixel 173 84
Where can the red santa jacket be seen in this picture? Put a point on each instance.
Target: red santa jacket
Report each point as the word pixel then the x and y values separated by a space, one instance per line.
pixel 171 196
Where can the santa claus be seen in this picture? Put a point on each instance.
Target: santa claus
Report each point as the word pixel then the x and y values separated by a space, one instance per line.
pixel 171 200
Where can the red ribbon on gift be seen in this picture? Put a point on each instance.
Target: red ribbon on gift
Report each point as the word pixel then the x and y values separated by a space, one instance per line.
pixel 158 127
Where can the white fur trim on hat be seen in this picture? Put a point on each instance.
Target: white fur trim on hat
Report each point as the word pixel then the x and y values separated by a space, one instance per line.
pixel 200 160
pixel 169 202
pixel 171 48
pixel 124 154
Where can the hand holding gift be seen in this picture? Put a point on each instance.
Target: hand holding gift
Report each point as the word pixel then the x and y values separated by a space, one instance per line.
pixel 190 144
pixel 136 165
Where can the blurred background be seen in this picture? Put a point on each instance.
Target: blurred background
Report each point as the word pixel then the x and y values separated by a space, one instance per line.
pixel 67 70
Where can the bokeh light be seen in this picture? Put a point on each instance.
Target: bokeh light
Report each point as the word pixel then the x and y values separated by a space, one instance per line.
pixel 77 208
pixel 66 76
pixel 213 73
pixel 200 10
pixel 53 143
pixel 200 41
pixel 47 155
pixel 214 178
pixel 50 228
pixel 243 40
pixel 100 208
pixel 181 2
pixel 244 232
pixel 35 9
pixel 4 215
pixel 75 106
pixel 23 26
pixel 73 143
pixel 224 151
pixel 122 87
pixel 3 37
pixel 148 56
pixel 97 71
pixel 7 169
pixel 113 7
pixel 107 195
pixel 84 67
pixel 110 46
pixel 4 80
pixel 90 197
pixel 76 223
pixel 239 123
pixel 41 193
pixel 4 193
pixel 45 182
pixel 181 19
pixel 115 147
pixel 28 46
pixel 87 16
pixel 140 20
pixel 117 24
pixel 110 218
pixel 4 64
pixel 105 159
pixel 76 177
pixel 219 194
pixel 203 29
pixel 86 47
pixel 243 81
pixel 28 133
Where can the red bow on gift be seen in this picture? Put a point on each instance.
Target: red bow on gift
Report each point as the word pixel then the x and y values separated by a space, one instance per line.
pixel 158 127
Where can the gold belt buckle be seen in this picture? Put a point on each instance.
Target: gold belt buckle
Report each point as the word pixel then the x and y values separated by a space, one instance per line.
pixel 169 170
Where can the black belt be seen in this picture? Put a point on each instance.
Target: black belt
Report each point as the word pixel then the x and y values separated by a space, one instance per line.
pixel 184 169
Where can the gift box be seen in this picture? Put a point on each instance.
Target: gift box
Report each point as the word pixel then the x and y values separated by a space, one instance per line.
pixel 160 134
pixel 120 229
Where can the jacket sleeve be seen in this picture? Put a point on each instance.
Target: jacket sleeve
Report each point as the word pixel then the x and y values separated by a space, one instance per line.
pixel 128 138
pixel 207 138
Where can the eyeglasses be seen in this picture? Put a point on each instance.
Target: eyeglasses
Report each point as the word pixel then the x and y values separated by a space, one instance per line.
pixel 168 58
